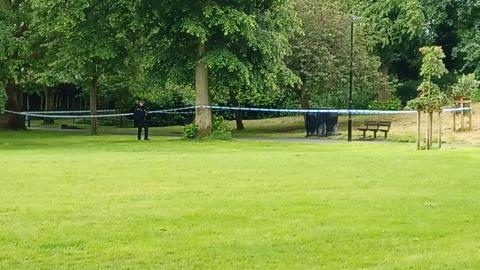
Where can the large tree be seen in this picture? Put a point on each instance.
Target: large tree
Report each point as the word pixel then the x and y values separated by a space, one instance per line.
pixel 86 40
pixel 321 58
pixel 455 25
pixel 468 49
pixel 15 53
pixel 236 46
pixel 395 29
pixel 443 24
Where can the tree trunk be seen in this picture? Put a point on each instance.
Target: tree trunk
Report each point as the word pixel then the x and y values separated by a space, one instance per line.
pixel 427 131
pixel 431 129
pixel 28 102
pixel 42 102
pixel 20 101
pixel 239 121
pixel 48 104
pixel 439 129
pixel 14 121
pixel 68 102
pixel 237 114
pixel 462 116
pixel 93 106
pixel 203 117
pixel 304 101
pixel 419 130
pixel 383 94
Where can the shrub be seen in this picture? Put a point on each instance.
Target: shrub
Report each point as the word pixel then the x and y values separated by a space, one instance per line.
pixel 190 131
pixel 389 105
pixel 221 128
pixel 466 87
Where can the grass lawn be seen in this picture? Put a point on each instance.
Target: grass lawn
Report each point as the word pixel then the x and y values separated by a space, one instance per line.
pixel 69 201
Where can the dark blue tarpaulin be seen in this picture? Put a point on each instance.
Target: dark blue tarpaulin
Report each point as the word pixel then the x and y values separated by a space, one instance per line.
pixel 321 124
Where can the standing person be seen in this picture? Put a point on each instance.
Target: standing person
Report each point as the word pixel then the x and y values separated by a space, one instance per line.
pixel 140 120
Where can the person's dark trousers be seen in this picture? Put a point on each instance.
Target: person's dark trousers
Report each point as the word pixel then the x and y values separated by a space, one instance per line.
pixel 139 134
pixel 145 129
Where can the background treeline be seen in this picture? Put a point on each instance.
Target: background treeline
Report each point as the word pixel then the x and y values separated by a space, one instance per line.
pixel 77 54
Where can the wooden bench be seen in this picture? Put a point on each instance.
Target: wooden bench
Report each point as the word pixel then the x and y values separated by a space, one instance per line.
pixel 376 126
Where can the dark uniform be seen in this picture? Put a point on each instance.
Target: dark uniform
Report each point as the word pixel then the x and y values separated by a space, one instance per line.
pixel 140 121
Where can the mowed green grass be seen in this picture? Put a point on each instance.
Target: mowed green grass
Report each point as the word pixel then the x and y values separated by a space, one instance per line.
pixel 109 202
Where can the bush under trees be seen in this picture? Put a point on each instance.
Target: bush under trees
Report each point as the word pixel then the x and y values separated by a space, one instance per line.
pixel 220 130
pixel 466 88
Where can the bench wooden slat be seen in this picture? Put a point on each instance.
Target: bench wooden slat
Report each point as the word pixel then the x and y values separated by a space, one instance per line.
pixel 376 126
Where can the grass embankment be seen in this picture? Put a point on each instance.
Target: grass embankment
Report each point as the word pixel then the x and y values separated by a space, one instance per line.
pixel 109 202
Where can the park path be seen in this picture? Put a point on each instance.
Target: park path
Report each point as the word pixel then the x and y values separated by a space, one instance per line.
pixel 301 140
pixel 154 133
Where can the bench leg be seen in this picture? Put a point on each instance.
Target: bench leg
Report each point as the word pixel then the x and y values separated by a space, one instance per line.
pixel 386 135
pixel 364 134
pixel 375 134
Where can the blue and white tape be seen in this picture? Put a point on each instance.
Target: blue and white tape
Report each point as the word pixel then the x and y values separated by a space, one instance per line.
pixel 191 109
pixel 58 114
pixel 69 112
pixel 29 114
pixel 337 111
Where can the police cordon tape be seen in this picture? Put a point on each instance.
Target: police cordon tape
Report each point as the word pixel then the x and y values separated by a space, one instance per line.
pixel 53 114
pixel 68 112
pixel 56 116
pixel 338 111
pixel 190 109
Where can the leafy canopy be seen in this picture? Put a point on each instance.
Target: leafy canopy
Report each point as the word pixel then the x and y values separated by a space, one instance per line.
pixel 246 43
pixel 321 56
pixel 430 98
pixel 83 39
pixel 466 87
pixel 392 25
pixel 15 41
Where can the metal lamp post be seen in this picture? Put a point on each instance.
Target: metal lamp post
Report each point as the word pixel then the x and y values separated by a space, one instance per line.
pixel 350 92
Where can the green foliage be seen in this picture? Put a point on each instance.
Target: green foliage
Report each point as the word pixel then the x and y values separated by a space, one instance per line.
pixel 389 105
pixel 466 87
pixel 430 98
pixel 321 57
pixel 246 43
pixel 84 42
pixel 432 63
pixel 16 42
pixel 221 130
pixel 455 25
pixel 190 131
pixel 467 27
pixel 391 25
pixel 395 29
pixel 149 48
pixel 469 51
pixel 3 98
